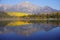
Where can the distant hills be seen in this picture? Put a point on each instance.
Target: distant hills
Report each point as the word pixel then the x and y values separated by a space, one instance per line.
pixel 26 7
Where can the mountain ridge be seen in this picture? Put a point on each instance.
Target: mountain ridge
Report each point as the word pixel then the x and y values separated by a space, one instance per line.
pixel 27 7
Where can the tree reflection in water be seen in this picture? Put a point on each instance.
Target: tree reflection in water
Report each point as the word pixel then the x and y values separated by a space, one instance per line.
pixel 27 27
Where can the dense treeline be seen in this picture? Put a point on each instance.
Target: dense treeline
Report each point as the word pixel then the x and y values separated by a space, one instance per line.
pixel 33 16
pixel 5 15
pixel 44 15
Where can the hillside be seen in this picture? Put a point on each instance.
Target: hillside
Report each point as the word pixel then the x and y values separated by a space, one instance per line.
pixel 3 14
pixel 12 14
pixel 47 15
pixel 17 14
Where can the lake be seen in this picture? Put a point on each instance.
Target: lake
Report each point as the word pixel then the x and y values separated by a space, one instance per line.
pixel 30 30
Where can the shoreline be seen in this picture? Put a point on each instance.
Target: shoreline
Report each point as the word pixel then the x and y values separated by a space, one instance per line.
pixel 14 19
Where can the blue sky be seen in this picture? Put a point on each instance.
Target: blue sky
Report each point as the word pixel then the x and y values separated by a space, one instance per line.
pixel 52 3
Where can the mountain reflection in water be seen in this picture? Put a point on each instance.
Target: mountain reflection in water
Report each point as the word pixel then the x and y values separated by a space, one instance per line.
pixel 26 27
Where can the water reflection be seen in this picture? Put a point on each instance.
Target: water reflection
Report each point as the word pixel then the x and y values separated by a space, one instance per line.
pixel 27 27
pixel 17 23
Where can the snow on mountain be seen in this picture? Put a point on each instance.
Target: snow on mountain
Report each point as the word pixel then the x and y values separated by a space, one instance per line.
pixel 27 7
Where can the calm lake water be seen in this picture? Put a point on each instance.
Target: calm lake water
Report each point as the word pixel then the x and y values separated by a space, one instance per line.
pixel 30 30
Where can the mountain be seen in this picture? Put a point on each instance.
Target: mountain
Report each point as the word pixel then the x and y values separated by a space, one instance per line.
pixel 27 7
pixel 4 7
pixel 48 9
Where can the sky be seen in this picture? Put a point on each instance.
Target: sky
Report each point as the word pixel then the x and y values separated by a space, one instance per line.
pixel 52 3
